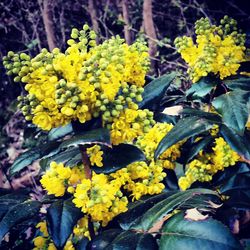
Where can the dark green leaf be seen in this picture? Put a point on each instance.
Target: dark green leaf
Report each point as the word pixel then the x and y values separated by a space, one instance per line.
pixel 138 208
pixel 180 233
pixel 82 244
pixel 65 157
pixel 154 91
pixel 100 136
pixel 236 183
pixel 32 155
pixel 185 128
pixel 7 201
pixel 223 176
pixel 119 157
pixel 242 83
pixel 62 217
pixel 201 88
pixel 164 207
pixel 237 142
pixel 60 132
pixel 17 214
pixel 211 117
pixel 161 117
pixel 103 240
pixel 197 147
pixel 129 240
pixel 233 108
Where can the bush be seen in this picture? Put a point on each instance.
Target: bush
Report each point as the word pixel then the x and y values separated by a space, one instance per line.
pixel 120 173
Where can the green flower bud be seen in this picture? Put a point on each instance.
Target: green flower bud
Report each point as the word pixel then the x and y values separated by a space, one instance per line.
pixel 103 108
pixel 85 27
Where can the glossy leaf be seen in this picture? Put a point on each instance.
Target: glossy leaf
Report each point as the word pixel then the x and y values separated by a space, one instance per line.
pixel 18 214
pixel 137 209
pixel 201 88
pixel 57 133
pixel 180 233
pixel 164 207
pixel 32 155
pixel 103 240
pixel 237 182
pixel 211 117
pixel 233 108
pixel 65 157
pixel 62 217
pixel 161 117
pixel 185 128
pixel 197 147
pixel 237 142
pixel 119 157
pixel 242 83
pixel 154 91
pixel 100 136
pixel 126 240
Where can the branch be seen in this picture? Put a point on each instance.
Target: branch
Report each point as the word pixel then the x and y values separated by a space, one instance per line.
pixel 47 14
pixel 125 13
pixel 93 16
pixel 150 29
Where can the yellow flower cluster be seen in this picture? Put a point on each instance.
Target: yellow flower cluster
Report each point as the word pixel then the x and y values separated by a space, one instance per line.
pixel 131 123
pixel 207 164
pixel 149 142
pixel 140 178
pixel 82 83
pixel 81 229
pixel 100 197
pixel 43 241
pixel 218 49
pixel 59 178
pixel 95 155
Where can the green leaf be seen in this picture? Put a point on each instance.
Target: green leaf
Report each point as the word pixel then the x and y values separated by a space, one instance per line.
pixel 102 240
pixel 185 128
pixel 201 88
pixel 242 83
pixel 181 199
pixel 65 157
pixel 211 117
pixel 62 217
pixel 237 182
pixel 7 201
pixel 136 209
pixel 128 240
pixel 233 108
pixel 32 155
pixel 100 136
pixel 237 142
pixel 197 147
pixel 18 214
pixel 119 157
pixel 164 207
pixel 161 117
pixel 180 233
pixel 154 91
pixel 57 133
pixel 82 244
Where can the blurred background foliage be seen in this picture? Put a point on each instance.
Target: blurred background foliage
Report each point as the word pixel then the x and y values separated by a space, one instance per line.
pixel 29 25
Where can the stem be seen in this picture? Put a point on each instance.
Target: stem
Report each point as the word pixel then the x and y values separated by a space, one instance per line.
pixel 88 175
pixel 86 162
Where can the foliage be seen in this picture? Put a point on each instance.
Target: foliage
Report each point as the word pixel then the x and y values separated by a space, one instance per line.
pixel 111 156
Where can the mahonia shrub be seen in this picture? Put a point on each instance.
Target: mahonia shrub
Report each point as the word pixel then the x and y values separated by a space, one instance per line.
pixel 216 49
pixel 115 169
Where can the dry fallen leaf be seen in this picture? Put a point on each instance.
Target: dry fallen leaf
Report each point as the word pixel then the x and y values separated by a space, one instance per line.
pixel 195 215
pixel 175 110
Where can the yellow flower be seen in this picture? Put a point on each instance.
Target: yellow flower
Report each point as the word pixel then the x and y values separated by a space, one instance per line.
pixel 42 120
pixel 39 241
